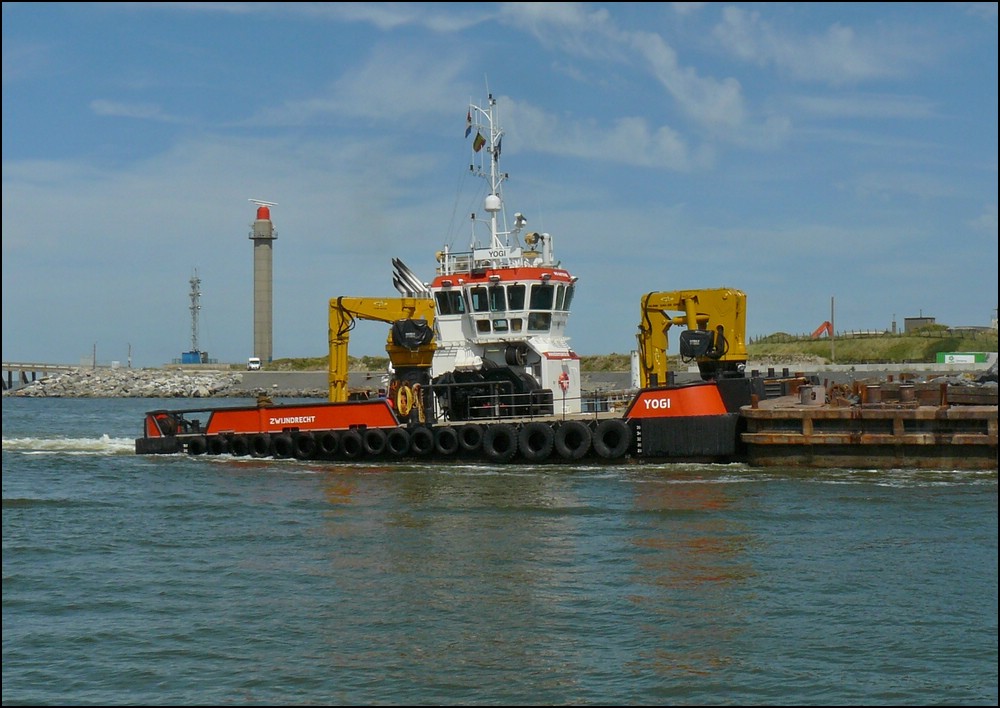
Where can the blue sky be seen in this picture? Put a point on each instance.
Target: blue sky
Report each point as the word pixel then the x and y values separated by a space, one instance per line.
pixel 808 154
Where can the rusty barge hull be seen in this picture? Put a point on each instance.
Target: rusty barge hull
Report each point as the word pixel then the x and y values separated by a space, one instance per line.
pixel 897 428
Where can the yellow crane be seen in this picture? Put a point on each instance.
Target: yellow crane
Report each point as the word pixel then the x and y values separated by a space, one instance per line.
pixel 715 336
pixel 410 343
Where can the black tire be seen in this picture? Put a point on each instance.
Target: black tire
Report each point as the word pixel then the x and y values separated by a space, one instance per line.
pixel 197 446
pixel 374 439
pixel 535 441
pixel 260 445
pixel 351 444
pixel 217 445
pixel 282 447
pixel 446 440
pixel 239 446
pixel 328 442
pixel 305 446
pixel 421 441
pixel 500 442
pixel 470 437
pixel 612 438
pixel 572 440
pixel 397 442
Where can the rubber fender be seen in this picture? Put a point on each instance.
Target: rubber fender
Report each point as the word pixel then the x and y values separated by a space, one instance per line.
pixel 374 439
pixel 421 441
pixel 572 440
pixel 282 446
pixel 397 441
pixel 239 446
pixel 305 446
pixel 329 442
pixel 197 446
pixel 535 441
pixel 470 437
pixel 612 438
pixel 500 442
pixel 351 444
pixel 446 440
pixel 217 445
pixel 260 445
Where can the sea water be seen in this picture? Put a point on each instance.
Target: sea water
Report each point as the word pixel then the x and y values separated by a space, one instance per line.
pixel 217 580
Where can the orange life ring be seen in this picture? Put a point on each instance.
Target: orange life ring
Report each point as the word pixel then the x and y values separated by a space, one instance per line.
pixel 404 400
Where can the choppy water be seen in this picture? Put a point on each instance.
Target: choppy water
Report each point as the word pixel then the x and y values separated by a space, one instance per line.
pixel 215 581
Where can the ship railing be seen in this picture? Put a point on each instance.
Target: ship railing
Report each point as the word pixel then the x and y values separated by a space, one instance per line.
pixel 489 400
pixel 458 262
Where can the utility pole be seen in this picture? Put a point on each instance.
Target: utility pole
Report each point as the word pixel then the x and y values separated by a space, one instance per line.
pixel 833 333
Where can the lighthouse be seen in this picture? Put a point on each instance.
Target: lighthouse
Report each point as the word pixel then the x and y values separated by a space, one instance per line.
pixel 262 234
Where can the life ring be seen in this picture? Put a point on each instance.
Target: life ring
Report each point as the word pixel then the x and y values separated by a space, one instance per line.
pixel 572 440
pixel 500 442
pixel 397 441
pixel 421 441
pixel 374 439
pixel 239 446
pixel 535 441
pixel 305 446
pixel 197 445
pixel 260 445
pixel 446 440
pixel 351 444
pixel 328 442
pixel 404 400
pixel 470 437
pixel 282 446
pixel 612 438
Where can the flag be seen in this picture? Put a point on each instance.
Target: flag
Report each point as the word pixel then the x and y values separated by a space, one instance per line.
pixel 478 143
pixel 468 123
pixel 496 153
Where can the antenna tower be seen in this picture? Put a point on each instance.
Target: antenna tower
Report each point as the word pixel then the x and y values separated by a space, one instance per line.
pixel 195 307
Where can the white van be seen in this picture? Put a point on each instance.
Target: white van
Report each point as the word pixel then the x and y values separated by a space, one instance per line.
pixel 253 364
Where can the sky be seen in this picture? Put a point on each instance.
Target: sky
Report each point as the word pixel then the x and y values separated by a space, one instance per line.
pixel 831 160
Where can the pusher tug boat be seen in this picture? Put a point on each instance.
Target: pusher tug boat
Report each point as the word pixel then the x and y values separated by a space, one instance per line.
pixel 481 367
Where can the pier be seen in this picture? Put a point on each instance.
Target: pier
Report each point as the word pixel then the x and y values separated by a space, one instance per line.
pixel 18 374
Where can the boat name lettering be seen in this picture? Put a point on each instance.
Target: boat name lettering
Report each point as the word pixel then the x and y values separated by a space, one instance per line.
pixel 293 419
pixel 657 403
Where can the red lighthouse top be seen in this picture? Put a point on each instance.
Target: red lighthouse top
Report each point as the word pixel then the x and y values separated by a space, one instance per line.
pixel 263 213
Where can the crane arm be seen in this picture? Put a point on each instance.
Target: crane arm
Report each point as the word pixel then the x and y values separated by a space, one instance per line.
pixel 715 336
pixel 826 327
pixel 344 313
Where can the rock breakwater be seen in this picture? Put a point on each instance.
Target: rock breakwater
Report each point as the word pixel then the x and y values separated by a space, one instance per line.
pixel 148 383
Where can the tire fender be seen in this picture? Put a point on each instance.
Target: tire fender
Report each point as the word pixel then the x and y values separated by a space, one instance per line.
pixel 612 438
pixel 535 441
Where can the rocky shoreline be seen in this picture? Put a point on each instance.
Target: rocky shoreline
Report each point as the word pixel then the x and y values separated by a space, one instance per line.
pixel 150 383
pixel 227 383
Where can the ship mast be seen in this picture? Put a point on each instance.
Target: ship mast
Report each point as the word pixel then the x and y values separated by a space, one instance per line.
pixel 489 150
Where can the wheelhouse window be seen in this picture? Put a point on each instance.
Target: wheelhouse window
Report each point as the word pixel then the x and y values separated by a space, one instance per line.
pixel 539 321
pixel 478 299
pixel 570 289
pixel 541 296
pixel 498 303
pixel 450 302
pixel 515 297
